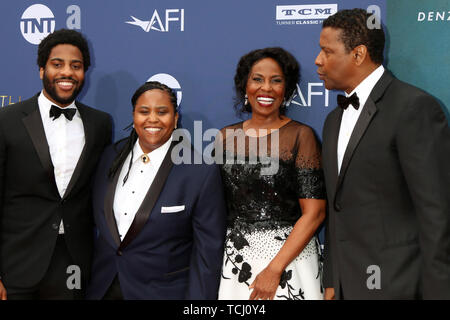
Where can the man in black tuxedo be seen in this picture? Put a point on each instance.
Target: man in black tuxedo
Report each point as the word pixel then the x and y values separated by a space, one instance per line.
pixel 49 148
pixel 385 158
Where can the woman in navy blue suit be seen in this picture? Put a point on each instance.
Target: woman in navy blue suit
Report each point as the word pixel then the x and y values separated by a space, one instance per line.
pixel 161 226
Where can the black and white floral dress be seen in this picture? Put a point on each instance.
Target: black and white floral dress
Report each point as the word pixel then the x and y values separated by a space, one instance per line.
pixel 263 178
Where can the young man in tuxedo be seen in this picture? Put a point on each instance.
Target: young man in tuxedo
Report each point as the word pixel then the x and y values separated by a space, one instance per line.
pixel 385 158
pixel 49 148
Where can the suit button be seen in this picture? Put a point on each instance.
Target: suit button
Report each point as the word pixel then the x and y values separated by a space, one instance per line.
pixel 119 252
pixel 337 207
pixel 55 226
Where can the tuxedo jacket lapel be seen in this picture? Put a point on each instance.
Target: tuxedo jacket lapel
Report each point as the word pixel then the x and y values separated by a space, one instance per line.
pixel 146 206
pixel 108 206
pixel 33 124
pixel 335 124
pixel 360 127
pixel 89 133
pixel 150 199
pixel 366 116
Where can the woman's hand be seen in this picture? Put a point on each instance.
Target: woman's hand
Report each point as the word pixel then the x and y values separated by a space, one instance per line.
pixel 265 284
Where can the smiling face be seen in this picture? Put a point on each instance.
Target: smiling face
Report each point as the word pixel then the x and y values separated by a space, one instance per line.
pixel 335 65
pixel 266 87
pixel 63 74
pixel 154 119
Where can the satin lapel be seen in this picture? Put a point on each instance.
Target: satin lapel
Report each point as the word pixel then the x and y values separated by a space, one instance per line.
pixel 150 199
pixel 363 122
pixel 368 112
pixel 88 137
pixel 108 206
pixel 335 124
pixel 33 124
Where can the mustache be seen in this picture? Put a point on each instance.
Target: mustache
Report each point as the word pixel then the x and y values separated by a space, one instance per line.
pixel 66 78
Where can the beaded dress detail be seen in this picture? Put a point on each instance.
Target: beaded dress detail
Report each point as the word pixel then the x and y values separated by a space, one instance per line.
pixel 264 178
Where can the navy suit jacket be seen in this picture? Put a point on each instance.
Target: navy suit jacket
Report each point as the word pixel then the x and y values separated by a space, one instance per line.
pixel 163 255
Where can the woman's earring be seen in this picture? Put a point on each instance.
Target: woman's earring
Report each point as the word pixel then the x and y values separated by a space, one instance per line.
pixel 245 100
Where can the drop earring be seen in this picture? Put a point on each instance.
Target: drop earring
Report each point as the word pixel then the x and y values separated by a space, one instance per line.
pixel 245 100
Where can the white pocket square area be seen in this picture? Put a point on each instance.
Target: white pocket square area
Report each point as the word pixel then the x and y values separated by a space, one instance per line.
pixel 172 209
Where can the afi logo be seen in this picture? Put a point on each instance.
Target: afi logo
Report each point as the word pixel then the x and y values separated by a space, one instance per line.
pixel 38 21
pixel 172 16
pixel 313 89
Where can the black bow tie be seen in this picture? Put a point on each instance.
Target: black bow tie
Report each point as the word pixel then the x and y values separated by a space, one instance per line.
pixel 344 102
pixel 55 112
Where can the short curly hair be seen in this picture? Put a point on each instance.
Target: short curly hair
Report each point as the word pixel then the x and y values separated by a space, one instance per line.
pixel 63 36
pixel 288 64
pixel 355 31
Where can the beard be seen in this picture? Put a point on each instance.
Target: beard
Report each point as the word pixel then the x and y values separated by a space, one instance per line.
pixel 50 88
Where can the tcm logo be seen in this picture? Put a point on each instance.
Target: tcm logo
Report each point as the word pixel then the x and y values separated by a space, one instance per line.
pixel 172 17
pixel 169 81
pixel 38 21
pixel 306 12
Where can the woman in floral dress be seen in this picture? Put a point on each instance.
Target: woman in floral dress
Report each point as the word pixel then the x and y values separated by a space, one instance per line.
pixel 271 169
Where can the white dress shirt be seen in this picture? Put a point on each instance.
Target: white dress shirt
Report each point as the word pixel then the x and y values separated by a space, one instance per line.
pixel 65 141
pixel 351 115
pixel 129 196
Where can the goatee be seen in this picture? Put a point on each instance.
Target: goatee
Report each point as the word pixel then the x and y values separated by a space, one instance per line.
pixel 50 89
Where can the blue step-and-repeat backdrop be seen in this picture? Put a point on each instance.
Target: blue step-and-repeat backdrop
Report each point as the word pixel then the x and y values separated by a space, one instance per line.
pixel 194 46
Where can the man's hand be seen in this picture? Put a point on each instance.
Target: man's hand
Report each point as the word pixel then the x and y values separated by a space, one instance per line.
pixel 2 291
pixel 329 293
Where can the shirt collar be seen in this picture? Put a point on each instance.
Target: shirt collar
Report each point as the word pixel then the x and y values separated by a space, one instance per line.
pixel 156 156
pixel 46 104
pixel 365 87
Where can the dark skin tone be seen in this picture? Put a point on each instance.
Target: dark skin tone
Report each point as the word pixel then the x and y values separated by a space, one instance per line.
pixel 265 90
pixel 341 70
pixel 154 119
pixel 64 72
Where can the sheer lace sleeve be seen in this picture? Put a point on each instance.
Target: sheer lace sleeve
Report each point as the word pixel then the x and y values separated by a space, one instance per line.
pixel 308 165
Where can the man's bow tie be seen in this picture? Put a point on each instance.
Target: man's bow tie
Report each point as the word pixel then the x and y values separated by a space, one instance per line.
pixel 55 112
pixel 344 102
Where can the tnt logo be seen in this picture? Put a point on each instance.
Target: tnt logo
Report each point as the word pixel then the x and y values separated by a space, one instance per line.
pixel 36 23
pixel 169 81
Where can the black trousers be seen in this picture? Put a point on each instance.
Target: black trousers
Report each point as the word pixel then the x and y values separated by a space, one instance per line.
pixel 53 285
